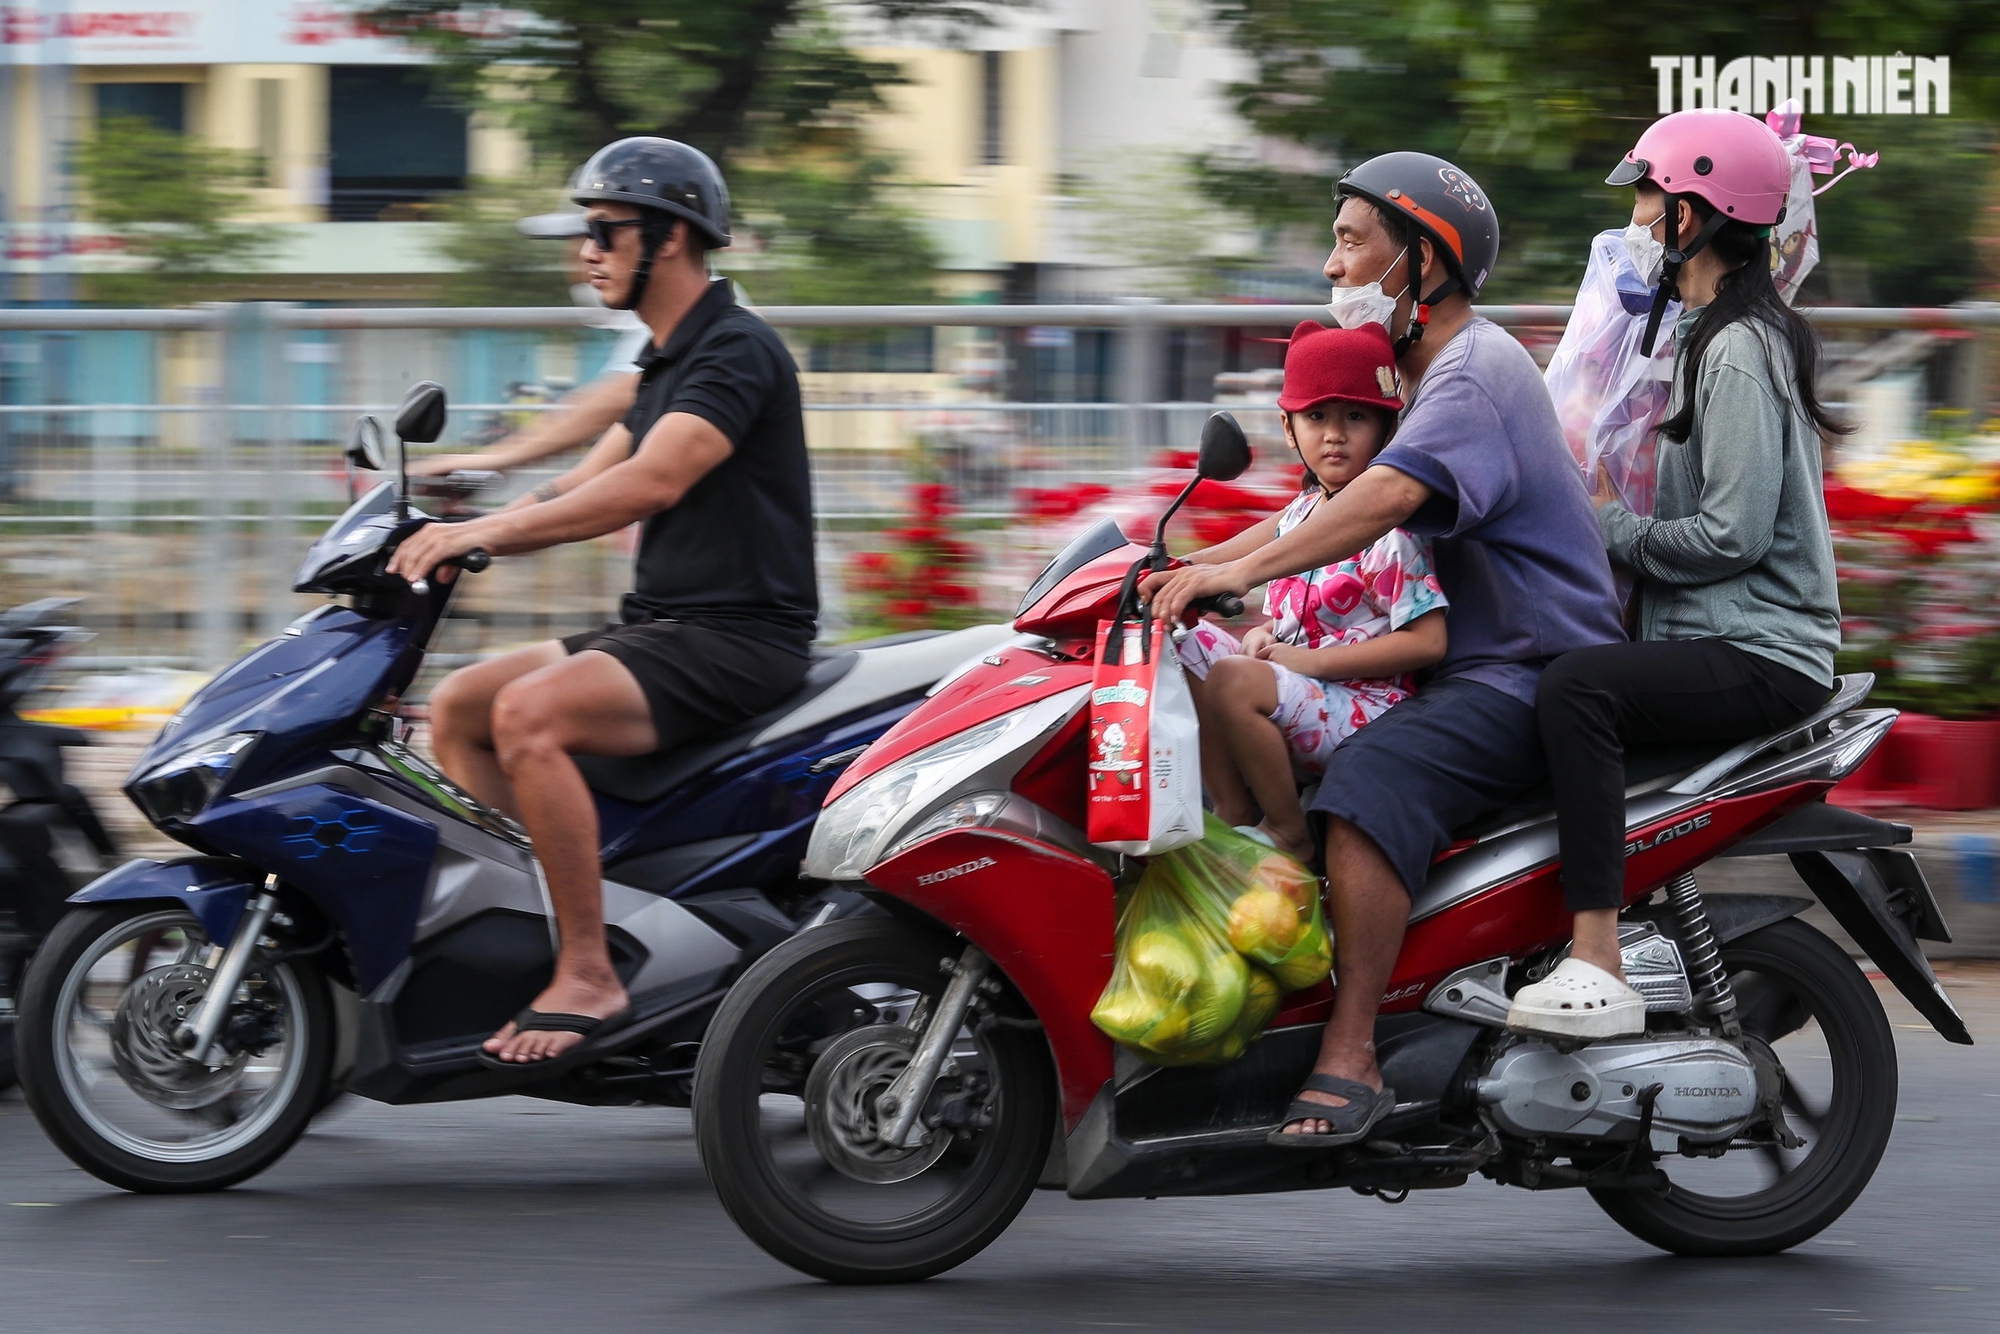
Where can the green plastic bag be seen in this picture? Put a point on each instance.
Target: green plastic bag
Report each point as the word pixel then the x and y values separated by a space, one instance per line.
pixel 1207 941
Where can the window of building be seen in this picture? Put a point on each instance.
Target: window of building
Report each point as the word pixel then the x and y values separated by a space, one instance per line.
pixel 271 130
pixel 394 144
pixel 165 104
pixel 992 140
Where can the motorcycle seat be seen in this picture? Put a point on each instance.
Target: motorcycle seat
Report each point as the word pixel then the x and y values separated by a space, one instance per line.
pixel 642 779
pixel 1652 768
pixel 840 682
pixel 1645 770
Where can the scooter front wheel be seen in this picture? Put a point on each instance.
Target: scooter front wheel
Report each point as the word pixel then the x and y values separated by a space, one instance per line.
pixel 104 1074
pixel 787 1116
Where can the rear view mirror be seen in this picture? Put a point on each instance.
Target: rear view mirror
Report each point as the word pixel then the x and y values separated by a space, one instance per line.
pixel 1224 453
pixel 420 421
pixel 364 445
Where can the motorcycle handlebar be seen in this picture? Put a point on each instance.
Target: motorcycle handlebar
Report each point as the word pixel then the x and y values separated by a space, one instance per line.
pixel 1226 605
pixel 472 562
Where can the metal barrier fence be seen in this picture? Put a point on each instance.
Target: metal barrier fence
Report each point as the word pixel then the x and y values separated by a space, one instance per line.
pixel 177 489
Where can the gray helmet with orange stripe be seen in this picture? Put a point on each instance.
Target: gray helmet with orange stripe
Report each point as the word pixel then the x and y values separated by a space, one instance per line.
pixel 1444 205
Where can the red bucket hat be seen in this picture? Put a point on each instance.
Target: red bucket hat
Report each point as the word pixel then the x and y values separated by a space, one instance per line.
pixel 1353 365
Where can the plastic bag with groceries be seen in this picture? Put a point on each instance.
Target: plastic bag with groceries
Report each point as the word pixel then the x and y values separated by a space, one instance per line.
pixel 1207 941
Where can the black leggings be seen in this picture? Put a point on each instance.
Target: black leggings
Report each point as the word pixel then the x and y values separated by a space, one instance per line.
pixel 1592 702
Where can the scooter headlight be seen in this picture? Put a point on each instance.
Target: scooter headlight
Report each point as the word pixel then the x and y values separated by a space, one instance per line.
pixel 852 833
pixel 182 786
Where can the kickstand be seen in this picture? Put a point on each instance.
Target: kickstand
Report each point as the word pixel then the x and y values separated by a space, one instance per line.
pixel 1644 1143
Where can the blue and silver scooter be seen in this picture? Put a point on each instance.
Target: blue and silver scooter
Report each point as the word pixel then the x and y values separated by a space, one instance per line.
pixel 352 919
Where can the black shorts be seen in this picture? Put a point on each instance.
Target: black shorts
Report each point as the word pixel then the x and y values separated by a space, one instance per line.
pixel 1454 751
pixel 697 680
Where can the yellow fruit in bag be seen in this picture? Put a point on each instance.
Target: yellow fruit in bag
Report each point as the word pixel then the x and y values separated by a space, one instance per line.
pixel 1215 1005
pixel 1264 924
pixel 1163 964
pixel 1260 1002
pixel 1125 1014
pixel 1307 963
pixel 1169 1032
pixel 1283 874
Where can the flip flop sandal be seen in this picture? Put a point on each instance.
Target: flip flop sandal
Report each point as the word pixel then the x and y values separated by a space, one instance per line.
pixel 532 1020
pixel 1351 1121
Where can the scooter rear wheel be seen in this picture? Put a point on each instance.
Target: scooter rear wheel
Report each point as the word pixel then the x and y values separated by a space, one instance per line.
pixel 1800 994
pixel 109 1084
pixel 785 1116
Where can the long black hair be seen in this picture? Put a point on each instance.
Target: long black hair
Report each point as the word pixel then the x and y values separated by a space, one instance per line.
pixel 1746 292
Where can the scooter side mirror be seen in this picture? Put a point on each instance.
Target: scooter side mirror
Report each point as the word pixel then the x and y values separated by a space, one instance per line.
pixel 1224 454
pixel 420 421
pixel 364 445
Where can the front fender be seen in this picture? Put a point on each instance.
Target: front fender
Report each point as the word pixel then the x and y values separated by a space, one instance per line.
pixel 214 889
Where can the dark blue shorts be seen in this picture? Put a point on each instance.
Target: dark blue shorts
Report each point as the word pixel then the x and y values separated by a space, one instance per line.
pixel 1454 751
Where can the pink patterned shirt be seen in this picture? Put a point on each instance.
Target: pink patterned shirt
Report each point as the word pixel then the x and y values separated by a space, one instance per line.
pixel 1366 596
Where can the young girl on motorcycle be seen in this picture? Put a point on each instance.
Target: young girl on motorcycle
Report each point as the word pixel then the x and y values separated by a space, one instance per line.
pixel 1343 640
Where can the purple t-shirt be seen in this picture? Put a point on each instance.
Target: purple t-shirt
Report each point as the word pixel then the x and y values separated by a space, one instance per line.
pixel 1516 543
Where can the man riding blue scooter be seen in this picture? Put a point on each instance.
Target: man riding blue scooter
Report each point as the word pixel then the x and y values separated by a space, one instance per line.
pixel 712 461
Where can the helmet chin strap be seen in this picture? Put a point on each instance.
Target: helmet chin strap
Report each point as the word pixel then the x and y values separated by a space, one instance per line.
pixel 653 233
pixel 1670 266
pixel 1420 310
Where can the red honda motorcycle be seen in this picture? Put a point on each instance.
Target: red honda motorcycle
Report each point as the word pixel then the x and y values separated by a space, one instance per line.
pixel 877 1097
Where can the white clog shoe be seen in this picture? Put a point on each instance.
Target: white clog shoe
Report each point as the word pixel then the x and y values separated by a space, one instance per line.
pixel 1578 1000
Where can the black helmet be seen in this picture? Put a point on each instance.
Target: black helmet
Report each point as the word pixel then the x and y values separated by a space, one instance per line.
pixel 1442 203
pixel 658 174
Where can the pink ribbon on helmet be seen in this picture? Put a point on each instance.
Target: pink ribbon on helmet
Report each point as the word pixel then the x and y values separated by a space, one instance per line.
pixel 1821 154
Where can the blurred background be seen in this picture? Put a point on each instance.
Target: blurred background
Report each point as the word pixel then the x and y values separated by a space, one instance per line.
pixel 1020 250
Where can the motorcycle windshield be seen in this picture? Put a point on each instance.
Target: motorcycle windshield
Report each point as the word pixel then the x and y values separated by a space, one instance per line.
pixel 354 539
pixel 1101 539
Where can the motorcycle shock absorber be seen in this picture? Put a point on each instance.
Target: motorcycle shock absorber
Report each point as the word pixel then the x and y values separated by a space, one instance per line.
pixel 1703 956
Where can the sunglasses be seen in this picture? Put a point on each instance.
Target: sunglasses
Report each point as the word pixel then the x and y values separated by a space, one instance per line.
pixel 603 232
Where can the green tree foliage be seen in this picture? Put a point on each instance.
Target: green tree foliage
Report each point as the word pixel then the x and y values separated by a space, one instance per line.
pixel 495 264
pixel 1537 98
pixel 766 87
pixel 167 197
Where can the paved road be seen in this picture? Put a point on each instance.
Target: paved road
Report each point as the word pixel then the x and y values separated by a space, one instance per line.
pixel 516 1215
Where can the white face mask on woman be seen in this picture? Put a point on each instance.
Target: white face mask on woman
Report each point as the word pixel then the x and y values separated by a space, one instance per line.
pixel 1352 307
pixel 1647 254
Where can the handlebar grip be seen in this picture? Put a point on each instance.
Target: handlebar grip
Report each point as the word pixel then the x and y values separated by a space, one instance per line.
pixel 477 559
pixel 1226 605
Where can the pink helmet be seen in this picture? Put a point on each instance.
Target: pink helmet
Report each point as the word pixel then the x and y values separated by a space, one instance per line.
pixel 1733 161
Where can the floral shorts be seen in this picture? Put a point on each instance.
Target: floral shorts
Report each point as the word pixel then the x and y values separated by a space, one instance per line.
pixel 1314 715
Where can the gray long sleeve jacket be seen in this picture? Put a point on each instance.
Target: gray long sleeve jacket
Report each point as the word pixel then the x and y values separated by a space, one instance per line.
pixel 1738 546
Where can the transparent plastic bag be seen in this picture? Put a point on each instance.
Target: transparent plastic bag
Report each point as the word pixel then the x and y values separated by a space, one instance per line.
pixel 1610 399
pixel 1208 941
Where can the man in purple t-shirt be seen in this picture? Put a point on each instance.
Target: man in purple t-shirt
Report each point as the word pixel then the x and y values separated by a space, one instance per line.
pixel 1479 465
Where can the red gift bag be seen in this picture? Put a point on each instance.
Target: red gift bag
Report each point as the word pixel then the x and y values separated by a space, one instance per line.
pixel 1144 782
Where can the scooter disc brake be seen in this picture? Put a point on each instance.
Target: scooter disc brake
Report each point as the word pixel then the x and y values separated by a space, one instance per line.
pixel 854 1071
pixel 144 1045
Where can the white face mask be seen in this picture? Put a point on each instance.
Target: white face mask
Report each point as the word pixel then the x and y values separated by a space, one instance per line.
pixel 1647 254
pixel 1352 307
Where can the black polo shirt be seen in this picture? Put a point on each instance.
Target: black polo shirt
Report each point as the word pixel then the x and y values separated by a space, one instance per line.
pixel 737 551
